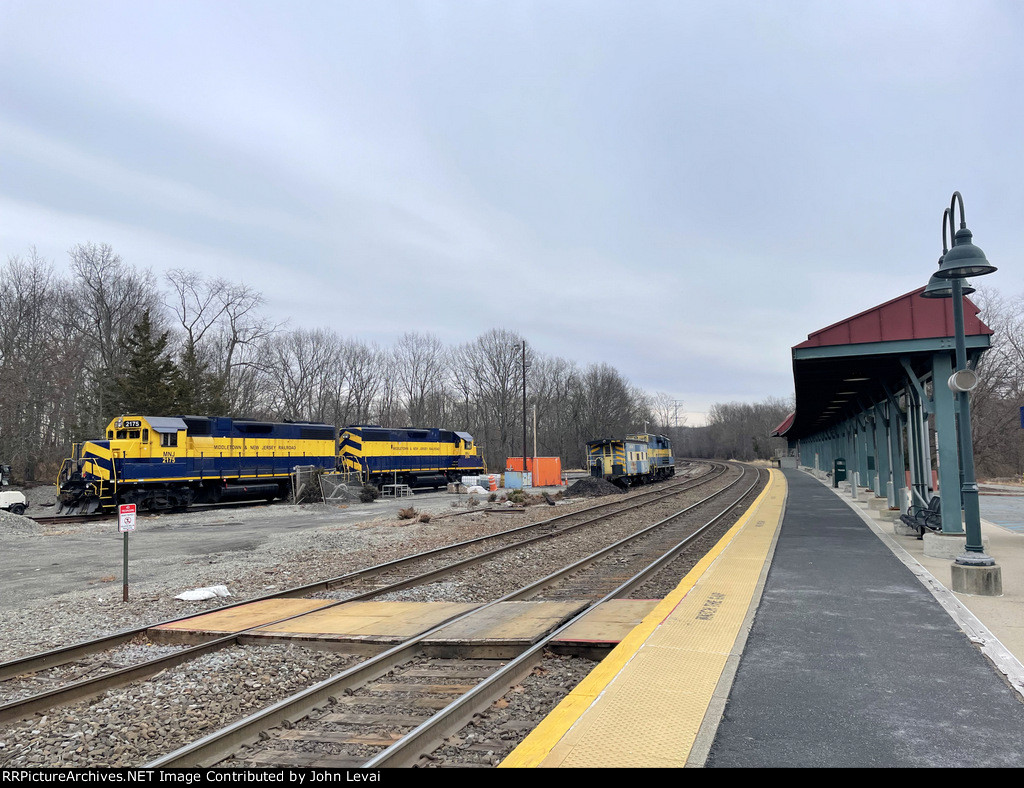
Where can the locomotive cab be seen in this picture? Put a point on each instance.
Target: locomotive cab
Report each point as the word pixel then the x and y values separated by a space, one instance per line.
pixel 90 478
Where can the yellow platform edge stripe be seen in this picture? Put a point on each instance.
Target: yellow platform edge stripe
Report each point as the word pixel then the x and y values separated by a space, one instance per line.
pixel 538 744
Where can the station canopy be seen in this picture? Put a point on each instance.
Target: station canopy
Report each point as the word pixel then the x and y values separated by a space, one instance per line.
pixel 846 367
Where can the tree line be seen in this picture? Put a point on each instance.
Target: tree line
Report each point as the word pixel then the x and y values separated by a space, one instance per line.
pixel 104 338
pixel 996 421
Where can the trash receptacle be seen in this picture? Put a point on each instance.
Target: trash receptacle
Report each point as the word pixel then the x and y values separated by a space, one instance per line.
pixel 838 471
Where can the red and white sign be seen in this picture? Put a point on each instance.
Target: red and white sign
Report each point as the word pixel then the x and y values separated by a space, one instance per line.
pixel 126 517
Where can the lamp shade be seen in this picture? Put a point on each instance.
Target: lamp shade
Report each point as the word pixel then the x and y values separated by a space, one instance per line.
pixel 964 259
pixel 943 288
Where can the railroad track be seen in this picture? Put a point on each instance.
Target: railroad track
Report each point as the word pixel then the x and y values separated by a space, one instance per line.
pixel 417 570
pixel 377 714
pixel 361 582
pixel 359 585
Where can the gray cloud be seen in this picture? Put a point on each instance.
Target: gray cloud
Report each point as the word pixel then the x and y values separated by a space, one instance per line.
pixel 681 190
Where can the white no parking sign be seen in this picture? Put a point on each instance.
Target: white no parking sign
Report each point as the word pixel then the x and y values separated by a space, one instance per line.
pixel 126 517
pixel 125 523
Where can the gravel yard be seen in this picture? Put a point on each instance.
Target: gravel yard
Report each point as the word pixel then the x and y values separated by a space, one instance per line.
pixel 63 583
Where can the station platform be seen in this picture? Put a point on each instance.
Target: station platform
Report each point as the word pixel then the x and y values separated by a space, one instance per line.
pixel 813 636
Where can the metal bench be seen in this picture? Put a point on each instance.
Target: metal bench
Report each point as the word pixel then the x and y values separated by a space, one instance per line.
pixel 924 518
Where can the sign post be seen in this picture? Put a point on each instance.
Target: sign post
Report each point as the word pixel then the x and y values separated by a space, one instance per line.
pixel 125 523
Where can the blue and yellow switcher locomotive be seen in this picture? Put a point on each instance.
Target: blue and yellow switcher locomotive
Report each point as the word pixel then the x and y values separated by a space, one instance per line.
pixel 635 459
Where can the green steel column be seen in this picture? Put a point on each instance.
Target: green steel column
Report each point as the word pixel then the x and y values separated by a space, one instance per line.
pixel 918 481
pixel 863 450
pixel 896 446
pixel 881 450
pixel 852 461
pixel 974 549
pixel 945 426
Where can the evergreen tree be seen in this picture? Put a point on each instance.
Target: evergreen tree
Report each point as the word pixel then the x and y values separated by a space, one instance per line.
pixel 200 391
pixel 150 382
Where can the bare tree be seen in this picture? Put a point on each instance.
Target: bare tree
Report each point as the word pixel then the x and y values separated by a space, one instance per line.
pixel 489 372
pixel 739 430
pixel 242 331
pixel 387 408
pixel 607 405
pixel 301 374
pixel 41 367
pixel 667 412
pixel 551 384
pixel 419 364
pixel 114 296
pixel 365 373
pixel 198 304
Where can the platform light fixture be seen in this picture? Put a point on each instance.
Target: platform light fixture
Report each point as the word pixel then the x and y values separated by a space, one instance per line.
pixel 963 258
pixel 939 287
pixel 958 261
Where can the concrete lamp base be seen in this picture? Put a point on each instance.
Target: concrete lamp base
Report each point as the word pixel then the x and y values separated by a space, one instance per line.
pixel 977 579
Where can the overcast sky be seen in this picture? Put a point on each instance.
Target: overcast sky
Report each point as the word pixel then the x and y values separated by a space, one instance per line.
pixel 682 190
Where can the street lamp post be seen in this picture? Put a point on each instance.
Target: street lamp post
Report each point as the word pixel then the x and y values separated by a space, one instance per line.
pixel 961 260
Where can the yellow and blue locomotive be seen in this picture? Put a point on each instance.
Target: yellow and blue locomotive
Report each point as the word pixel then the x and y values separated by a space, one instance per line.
pixel 659 455
pixel 633 460
pixel 159 462
pixel 416 457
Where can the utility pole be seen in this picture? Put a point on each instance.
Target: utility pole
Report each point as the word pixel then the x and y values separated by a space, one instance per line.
pixel 524 415
pixel 535 436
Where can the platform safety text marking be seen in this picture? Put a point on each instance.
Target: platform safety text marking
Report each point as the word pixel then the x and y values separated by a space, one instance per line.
pixel 711 606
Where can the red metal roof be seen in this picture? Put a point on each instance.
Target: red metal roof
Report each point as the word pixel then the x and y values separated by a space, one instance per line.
pixel 786 424
pixel 907 317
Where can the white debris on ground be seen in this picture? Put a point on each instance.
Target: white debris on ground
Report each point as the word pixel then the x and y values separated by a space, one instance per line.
pixel 209 592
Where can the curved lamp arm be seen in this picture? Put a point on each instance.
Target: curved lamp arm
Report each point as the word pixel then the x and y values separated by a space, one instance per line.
pixel 952 205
